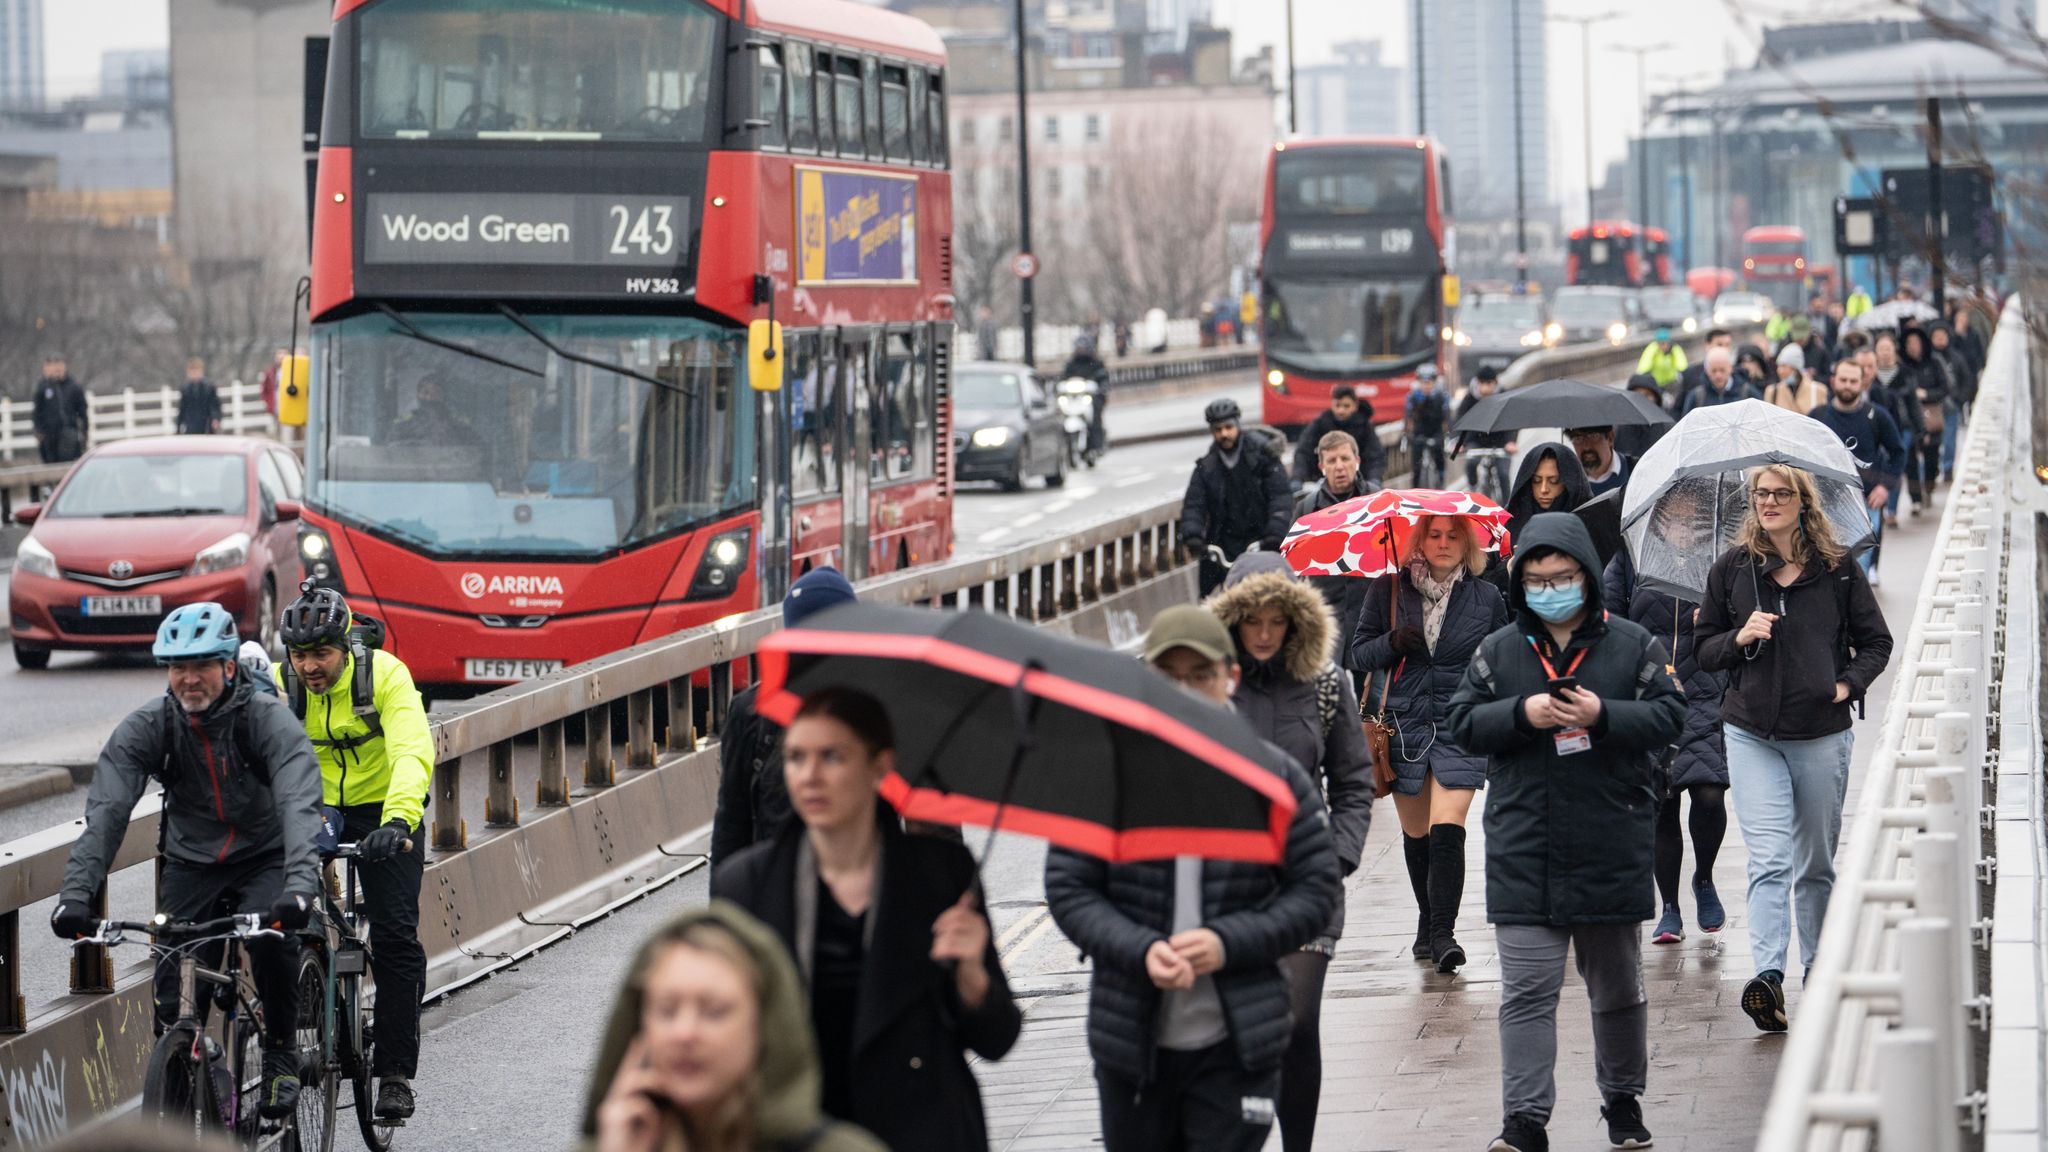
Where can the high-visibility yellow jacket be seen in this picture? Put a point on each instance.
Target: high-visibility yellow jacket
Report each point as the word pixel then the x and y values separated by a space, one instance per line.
pixel 394 768
pixel 1857 304
pixel 1666 364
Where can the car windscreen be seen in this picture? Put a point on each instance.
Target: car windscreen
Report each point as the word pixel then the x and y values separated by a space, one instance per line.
pixel 987 390
pixel 156 485
pixel 1569 308
pixel 1505 312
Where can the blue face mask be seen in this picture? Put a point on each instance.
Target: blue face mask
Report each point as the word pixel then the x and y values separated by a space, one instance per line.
pixel 1555 604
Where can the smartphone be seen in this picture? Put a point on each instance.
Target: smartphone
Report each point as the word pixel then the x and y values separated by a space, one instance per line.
pixel 1558 686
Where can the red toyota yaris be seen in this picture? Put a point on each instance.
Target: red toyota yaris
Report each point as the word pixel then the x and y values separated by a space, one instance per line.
pixel 139 527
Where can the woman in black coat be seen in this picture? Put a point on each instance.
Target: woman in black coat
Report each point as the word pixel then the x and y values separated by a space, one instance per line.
pixel 888 932
pixel 1294 697
pixel 1698 761
pixel 1418 629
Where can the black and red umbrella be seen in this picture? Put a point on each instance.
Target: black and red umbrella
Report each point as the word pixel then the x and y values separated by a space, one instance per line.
pixel 1000 724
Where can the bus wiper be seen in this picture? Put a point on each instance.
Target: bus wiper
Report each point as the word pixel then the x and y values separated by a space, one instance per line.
pixel 408 328
pixel 591 361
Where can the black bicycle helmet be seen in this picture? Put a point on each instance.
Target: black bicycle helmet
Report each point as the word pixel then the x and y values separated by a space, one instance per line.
pixel 317 619
pixel 1222 412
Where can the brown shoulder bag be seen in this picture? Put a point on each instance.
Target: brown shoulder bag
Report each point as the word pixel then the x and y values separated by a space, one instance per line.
pixel 1379 725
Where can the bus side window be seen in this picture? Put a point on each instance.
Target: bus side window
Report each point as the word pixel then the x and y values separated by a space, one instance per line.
pixel 847 70
pixel 813 417
pixel 803 136
pixel 768 95
pixel 935 115
pixel 871 80
pixel 895 112
pixel 822 85
pixel 918 95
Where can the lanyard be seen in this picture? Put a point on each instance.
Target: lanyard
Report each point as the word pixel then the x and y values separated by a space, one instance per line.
pixel 1549 669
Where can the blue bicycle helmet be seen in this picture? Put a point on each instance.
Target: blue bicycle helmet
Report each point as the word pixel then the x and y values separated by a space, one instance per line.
pixel 203 631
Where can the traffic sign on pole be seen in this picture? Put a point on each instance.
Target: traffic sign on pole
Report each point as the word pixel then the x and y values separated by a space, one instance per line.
pixel 1025 265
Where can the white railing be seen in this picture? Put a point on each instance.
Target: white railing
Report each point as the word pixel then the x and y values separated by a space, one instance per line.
pixel 1884 1041
pixel 1056 340
pixel 135 412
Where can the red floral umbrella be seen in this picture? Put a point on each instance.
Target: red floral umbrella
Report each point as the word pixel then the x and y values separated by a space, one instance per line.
pixel 1368 535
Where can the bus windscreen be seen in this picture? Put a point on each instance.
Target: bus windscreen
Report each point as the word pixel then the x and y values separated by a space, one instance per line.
pixel 1349 181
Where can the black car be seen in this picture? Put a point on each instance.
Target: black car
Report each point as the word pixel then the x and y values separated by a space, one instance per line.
pixel 1587 314
pixel 1005 428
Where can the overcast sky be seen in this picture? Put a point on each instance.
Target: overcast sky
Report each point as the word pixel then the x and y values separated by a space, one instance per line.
pixel 1709 31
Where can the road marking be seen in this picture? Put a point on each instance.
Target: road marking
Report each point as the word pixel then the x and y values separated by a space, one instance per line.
pixel 1132 481
pixel 1059 506
pixel 1023 934
pixel 1027 521
pixel 992 537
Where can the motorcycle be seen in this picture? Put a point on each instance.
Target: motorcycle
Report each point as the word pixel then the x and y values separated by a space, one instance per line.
pixel 1077 398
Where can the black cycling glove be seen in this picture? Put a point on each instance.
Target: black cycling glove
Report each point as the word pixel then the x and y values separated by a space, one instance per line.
pixel 290 913
pixel 72 921
pixel 385 842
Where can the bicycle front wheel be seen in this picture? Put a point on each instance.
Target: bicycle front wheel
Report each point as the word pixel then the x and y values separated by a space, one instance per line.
pixel 312 1128
pixel 377 1135
pixel 177 1090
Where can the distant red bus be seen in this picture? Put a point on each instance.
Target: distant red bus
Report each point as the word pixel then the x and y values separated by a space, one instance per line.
pixel 1656 258
pixel 1605 253
pixel 1351 269
pixel 1774 264
pixel 541 230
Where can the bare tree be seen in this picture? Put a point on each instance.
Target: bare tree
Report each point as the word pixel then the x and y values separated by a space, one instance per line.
pixel 1158 233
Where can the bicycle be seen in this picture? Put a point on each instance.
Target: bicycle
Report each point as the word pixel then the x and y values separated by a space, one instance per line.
pixel 1425 458
pixel 1486 470
pixel 190 1079
pixel 339 939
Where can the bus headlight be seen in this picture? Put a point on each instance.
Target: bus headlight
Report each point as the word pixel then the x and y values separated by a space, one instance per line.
pixel 718 573
pixel 1277 379
pixel 317 554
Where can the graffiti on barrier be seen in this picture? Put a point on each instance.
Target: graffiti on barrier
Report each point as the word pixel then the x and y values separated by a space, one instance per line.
pixel 35 1097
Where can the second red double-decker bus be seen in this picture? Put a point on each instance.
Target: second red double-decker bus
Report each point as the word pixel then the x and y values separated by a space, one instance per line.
pixel 1604 254
pixel 1774 264
pixel 541 231
pixel 1352 264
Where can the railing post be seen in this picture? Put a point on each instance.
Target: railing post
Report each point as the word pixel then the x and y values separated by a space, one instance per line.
pixel 682 715
pixel 1045 603
pixel 553 789
pixel 1000 594
pixel 92 965
pixel 13 1010
pixel 721 697
pixel 1928 1001
pixel 598 769
pixel 501 803
pixel 1905 1062
pixel 640 729
pixel 451 831
pixel 1948 814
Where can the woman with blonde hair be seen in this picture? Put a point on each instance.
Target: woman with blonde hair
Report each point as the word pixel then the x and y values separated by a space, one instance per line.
pixel 1416 633
pixel 1799 632
pixel 709 1048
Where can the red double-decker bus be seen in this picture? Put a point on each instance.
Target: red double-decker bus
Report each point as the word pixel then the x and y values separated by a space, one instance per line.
pixel 1656 258
pixel 1605 253
pixel 541 231
pixel 1774 264
pixel 1352 264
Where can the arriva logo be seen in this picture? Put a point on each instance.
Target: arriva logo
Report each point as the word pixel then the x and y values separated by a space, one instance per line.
pixel 476 586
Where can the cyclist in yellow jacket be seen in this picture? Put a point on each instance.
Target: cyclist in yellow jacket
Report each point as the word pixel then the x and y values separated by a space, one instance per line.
pixel 1663 360
pixel 369 730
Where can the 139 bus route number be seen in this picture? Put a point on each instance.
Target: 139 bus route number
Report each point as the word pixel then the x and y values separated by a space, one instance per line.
pixel 647 233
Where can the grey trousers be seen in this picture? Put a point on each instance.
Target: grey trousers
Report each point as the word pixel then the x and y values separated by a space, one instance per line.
pixel 1610 961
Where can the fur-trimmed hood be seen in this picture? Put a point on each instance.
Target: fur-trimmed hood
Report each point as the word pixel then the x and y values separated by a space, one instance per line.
pixel 1312 628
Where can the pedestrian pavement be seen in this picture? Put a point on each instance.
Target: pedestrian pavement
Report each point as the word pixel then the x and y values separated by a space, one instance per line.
pixel 1411 1058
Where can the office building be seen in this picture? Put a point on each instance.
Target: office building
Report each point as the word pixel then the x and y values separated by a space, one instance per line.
pixel 1469 99
pixel 21 55
pixel 1358 95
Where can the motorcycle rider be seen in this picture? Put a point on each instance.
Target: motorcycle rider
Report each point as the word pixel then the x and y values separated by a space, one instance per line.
pixel 241 815
pixel 1085 364
pixel 1238 496
pixel 369 729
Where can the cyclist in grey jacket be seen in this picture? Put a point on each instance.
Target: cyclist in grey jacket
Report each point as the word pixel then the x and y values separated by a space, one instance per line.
pixel 241 817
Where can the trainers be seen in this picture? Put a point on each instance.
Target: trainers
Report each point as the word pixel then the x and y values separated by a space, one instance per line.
pixel 1763 999
pixel 1670 926
pixel 1521 1133
pixel 280 1083
pixel 1708 902
pixel 394 1098
pixel 1624 1116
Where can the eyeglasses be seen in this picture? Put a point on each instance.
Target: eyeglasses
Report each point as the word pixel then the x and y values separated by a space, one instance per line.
pixel 1550 584
pixel 1774 495
pixel 1202 677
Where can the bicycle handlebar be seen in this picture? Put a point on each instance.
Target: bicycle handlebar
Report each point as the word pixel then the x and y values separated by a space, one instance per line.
pixel 354 851
pixel 241 926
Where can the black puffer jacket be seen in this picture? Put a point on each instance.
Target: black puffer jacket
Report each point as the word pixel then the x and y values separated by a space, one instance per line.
pixel 753 798
pixel 1702 756
pixel 1344 594
pixel 1420 697
pixel 1569 839
pixel 1372 455
pixel 1233 507
pixel 1116 912
pixel 1783 688
pixel 1304 705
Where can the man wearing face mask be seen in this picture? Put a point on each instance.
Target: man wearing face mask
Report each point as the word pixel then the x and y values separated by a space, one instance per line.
pixel 1876 443
pixel 1238 496
pixel 1571 706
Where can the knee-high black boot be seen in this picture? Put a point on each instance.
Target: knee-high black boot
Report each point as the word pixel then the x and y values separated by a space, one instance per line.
pixel 1416 850
pixel 1446 892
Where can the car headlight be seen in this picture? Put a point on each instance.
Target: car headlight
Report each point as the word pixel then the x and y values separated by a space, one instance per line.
pixel 1461 340
pixel 719 571
pixel 232 552
pixel 991 437
pixel 1617 332
pixel 35 558
pixel 1553 332
pixel 1691 324
pixel 1532 339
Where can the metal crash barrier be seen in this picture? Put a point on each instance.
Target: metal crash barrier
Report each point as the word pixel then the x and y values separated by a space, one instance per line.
pixel 1896 1040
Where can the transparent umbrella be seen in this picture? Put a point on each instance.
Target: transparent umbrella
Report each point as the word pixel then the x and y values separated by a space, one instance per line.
pixel 1688 495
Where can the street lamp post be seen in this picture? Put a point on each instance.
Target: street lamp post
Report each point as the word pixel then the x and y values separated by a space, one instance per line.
pixel 1642 55
pixel 1421 76
pixel 1026 304
pixel 1521 181
pixel 1585 24
pixel 1291 127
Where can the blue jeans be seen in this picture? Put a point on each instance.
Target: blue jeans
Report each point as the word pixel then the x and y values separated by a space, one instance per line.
pixel 1788 802
pixel 1951 424
pixel 1869 558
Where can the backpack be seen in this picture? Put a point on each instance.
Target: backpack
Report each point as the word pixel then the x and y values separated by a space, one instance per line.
pixel 365 639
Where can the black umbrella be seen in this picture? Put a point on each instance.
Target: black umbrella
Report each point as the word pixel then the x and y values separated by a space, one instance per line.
pixel 1560 404
pixel 1000 724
